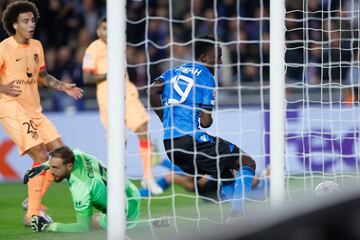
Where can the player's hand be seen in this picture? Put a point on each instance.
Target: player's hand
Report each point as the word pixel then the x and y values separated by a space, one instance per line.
pixel 38 224
pixel 72 90
pixel 34 172
pixel 11 89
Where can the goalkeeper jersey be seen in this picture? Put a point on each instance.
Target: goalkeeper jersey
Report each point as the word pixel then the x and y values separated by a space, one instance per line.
pixel 187 89
pixel 87 184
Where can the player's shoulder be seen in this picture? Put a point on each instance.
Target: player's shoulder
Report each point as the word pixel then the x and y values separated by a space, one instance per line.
pixel 96 45
pixel 80 155
pixel 165 75
pixel 77 151
pixel 203 68
pixel 35 43
pixel 205 77
pixel 3 46
pixel 194 68
pixel 6 43
pixel 7 46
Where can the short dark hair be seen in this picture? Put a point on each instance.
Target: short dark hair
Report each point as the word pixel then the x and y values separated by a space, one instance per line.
pixel 64 153
pixel 100 21
pixel 12 12
pixel 203 44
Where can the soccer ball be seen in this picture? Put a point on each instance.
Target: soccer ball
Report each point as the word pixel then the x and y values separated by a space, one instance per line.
pixel 325 188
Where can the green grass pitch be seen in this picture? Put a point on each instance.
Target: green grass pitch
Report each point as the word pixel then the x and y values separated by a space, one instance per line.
pixel 187 209
pixel 58 200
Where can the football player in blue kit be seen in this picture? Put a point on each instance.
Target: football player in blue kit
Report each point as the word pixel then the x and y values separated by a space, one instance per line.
pixel 183 98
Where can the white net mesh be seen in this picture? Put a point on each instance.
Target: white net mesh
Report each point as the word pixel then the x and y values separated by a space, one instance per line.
pixel 322 114
pixel 322 81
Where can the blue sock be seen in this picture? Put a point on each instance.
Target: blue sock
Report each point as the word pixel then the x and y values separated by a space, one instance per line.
pixel 242 186
pixel 144 192
pixel 162 183
pixel 264 184
pixel 171 166
pixel 227 190
pixel 258 194
pixel 261 191
pixel 167 163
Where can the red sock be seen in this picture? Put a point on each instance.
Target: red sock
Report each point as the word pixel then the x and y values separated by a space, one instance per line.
pixel 34 193
pixel 146 157
pixel 49 179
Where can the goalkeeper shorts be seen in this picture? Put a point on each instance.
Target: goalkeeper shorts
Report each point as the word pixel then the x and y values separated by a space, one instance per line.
pixel 132 207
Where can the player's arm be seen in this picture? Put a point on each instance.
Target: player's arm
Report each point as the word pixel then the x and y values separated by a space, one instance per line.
pixel 207 102
pixel 155 98
pixel 205 117
pixel 83 208
pixel 50 81
pixel 91 77
pixel 83 224
pixel 90 66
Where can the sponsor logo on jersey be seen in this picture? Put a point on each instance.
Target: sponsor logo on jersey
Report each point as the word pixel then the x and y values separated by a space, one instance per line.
pixel 36 58
pixel 28 73
pixel 89 168
pixel 25 82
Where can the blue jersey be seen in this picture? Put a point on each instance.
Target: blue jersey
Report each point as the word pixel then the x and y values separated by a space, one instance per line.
pixel 186 90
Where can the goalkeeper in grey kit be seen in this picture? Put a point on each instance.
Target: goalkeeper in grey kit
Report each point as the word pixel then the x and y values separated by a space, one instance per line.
pixel 87 183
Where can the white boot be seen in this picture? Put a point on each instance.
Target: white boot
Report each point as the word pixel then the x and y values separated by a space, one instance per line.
pixel 154 188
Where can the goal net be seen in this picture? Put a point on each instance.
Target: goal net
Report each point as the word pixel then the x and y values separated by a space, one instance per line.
pixel 321 86
pixel 322 115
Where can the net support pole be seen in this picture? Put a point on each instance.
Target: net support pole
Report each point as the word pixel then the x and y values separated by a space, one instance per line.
pixel 116 17
pixel 277 102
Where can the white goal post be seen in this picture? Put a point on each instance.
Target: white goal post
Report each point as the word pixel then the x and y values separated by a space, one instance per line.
pixel 116 19
pixel 277 102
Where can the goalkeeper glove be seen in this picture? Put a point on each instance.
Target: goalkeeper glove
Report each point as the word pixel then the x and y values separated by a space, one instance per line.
pixel 33 172
pixel 39 223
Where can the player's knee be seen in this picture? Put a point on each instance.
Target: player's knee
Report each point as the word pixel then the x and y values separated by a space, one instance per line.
pixel 38 153
pixel 248 161
pixel 43 156
pixel 95 221
pixel 142 131
pixel 55 144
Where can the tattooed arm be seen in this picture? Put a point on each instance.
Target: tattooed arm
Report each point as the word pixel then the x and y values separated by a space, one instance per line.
pixel 90 77
pixel 50 81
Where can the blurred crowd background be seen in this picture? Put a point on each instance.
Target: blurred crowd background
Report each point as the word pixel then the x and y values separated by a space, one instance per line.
pixel 321 42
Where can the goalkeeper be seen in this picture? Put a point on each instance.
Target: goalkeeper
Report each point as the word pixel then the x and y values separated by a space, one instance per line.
pixel 86 177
